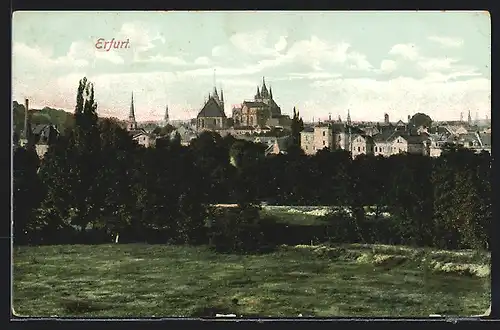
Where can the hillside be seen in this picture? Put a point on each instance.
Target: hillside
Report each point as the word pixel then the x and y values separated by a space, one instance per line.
pixel 57 117
pixel 60 118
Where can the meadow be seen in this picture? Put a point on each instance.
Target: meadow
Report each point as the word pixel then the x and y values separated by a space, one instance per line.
pixel 141 280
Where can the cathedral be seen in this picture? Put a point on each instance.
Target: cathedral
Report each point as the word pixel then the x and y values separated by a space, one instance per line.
pixel 261 111
pixel 212 115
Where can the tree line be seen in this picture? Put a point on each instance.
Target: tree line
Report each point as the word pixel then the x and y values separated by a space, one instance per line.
pixel 96 179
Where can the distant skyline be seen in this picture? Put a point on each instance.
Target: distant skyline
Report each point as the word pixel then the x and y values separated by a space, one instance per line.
pixel 323 63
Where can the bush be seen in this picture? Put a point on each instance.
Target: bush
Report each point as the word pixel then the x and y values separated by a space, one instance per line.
pixel 237 230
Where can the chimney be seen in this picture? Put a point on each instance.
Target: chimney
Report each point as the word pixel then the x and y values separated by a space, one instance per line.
pixel 26 111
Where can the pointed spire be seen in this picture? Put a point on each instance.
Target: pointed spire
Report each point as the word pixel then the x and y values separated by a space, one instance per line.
pixel 348 117
pixel 26 130
pixel 270 92
pixel 131 115
pixel 166 114
pixel 469 119
pixel 264 92
pixel 221 95
pixel 257 96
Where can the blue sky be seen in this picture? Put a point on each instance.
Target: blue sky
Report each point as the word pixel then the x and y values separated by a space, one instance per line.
pixel 323 63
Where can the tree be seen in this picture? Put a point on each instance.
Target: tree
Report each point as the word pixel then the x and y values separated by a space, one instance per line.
pixel 70 169
pixel 420 119
pixel 27 193
pixel 297 126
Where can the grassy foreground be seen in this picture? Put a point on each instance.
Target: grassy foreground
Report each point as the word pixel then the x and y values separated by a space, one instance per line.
pixel 138 280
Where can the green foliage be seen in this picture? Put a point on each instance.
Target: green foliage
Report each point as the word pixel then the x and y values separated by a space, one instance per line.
pixel 96 177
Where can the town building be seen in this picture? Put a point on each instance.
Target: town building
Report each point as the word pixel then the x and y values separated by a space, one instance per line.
pixel 261 111
pixel 212 116
pixel 40 137
pixel 140 135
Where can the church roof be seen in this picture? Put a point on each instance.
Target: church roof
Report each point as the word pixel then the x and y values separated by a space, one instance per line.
pixel 211 109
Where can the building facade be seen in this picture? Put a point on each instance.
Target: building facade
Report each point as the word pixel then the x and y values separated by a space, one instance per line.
pixel 212 116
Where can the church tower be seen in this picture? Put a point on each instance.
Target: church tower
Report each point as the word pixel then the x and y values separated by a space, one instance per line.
pixel 469 119
pixel 348 117
pixel 264 93
pixel 166 118
pixel 222 98
pixel 132 124
pixel 257 96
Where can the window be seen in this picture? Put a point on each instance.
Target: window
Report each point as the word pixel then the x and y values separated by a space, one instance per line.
pixel 323 133
pixel 375 149
pixel 363 148
pixel 359 149
pixel 307 148
pixel 324 143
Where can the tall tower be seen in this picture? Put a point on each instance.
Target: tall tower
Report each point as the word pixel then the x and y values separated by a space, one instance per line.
pixel 257 96
pixel 166 119
pixel 132 124
pixel 26 121
pixel 386 118
pixel 469 119
pixel 461 117
pixel 264 93
pixel 222 98
pixel 348 117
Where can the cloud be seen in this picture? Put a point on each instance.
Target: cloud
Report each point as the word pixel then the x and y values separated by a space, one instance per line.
pixel 142 38
pixel 203 60
pixel 388 66
pixel 437 95
pixel 314 53
pixel 281 44
pixel 436 64
pixel 407 51
pixel 447 41
pixel 165 59
pixel 42 58
pixel 312 75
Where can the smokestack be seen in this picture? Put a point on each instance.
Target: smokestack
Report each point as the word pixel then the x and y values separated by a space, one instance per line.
pixel 26 111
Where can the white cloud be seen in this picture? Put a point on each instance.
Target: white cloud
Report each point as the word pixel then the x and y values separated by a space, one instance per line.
pixel 312 75
pixel 436 64
pixel 165 59
pixel 369 99
pixel 203 60
pixel 388 66
pixel 281 44
pixel 408 51
pixel 447 41
pixel 141 38
pixel 42 58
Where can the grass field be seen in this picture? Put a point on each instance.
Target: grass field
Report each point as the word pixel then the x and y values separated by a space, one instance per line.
pixel 139 280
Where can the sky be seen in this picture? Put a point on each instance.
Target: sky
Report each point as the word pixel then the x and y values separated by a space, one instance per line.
pixel 322 63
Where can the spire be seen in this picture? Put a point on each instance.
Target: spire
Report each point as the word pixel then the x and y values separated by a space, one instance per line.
pixel 131 115
pixel 264 92
pixel 469 119
pixel 26 120
pixel 270 92
pixel 166 114
pixel 257 96
pixel 348 117
pixel 340 119
pixel 221 96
